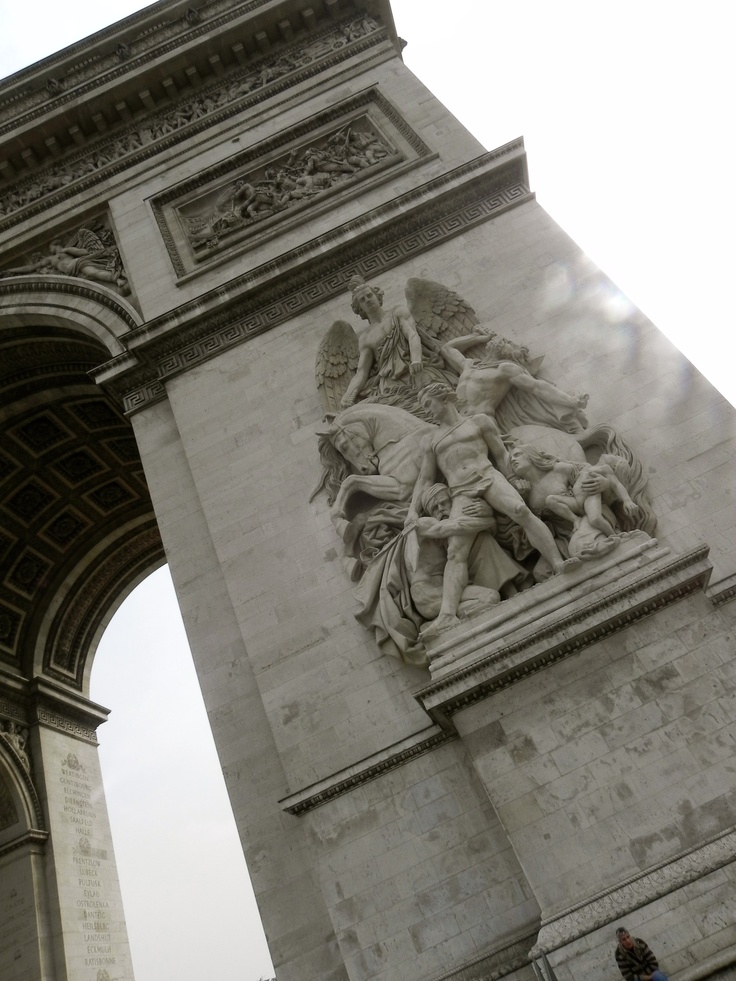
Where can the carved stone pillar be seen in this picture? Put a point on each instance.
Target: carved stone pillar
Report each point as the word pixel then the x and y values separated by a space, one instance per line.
pixel 62 908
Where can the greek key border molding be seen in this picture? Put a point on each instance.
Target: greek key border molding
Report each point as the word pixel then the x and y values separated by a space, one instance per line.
pixel 414 226
pixel 565 626
pixel 345 781
pixel 636 892
pixel 66 724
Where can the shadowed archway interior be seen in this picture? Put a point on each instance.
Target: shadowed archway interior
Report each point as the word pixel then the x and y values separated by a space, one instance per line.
pixel 77 530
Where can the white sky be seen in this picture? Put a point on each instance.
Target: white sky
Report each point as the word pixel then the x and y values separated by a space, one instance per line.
pixel 626 110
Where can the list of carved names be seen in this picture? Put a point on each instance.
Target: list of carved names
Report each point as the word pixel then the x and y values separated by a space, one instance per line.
pixel 91 866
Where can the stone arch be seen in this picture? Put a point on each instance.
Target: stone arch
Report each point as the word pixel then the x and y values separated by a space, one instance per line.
pixel 21 817
pixel 64 301
pixel 77 530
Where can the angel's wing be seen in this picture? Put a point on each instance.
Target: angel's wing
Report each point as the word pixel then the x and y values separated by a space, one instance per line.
pixel 337 359
pixel 440 312
pixel 85 238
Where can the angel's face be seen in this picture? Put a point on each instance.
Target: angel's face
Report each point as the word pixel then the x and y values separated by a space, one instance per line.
pixel 367 302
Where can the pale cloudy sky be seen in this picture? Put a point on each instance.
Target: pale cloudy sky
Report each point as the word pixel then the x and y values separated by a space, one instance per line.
pixel 626 111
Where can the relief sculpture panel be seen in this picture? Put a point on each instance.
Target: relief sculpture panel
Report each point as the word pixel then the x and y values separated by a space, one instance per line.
pixel 292 176
pixel 457 476
pixel 289 182
pixel 89 252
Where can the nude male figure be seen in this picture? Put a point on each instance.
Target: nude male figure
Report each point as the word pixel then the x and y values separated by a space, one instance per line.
pixel 459 451
pixel 483 384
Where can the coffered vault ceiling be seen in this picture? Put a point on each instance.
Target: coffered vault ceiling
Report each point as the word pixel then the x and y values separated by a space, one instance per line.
pixel 76 524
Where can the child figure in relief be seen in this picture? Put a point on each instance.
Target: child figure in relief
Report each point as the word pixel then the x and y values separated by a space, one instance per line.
pixel 592 487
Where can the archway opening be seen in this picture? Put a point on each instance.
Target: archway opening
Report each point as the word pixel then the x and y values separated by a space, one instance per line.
pixel 77 529
pixel 189 904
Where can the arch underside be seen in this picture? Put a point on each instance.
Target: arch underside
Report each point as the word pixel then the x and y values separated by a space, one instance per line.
pixel 77 529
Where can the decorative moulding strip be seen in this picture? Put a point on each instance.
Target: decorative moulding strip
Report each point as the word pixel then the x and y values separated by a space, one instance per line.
pixel 30 838
pixel 17 205
pixel 62 723
pixel 66 711
pixel 23 285
pixel 369 769
pixel 722 591
pixel 13 706
pixel 636 892
pixel 614 607
pixel 355 248
pixel 103 76
pixel 498 962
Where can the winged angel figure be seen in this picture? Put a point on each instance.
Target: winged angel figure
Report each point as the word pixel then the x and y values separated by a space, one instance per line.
pixel 436 336
pixel 396 352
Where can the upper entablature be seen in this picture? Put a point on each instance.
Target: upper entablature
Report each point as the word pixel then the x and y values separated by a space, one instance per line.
pixel 156 33
pixel 97 94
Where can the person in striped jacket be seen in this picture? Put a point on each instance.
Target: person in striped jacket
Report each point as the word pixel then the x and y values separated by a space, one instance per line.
pixel 635 960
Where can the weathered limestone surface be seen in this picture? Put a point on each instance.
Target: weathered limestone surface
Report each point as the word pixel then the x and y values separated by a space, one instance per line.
pixel 566 760
pixel 85 894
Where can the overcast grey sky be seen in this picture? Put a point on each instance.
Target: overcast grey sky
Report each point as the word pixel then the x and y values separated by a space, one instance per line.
pixel 626 112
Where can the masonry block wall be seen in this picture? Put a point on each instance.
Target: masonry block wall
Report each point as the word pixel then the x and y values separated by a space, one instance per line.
pixel 383 842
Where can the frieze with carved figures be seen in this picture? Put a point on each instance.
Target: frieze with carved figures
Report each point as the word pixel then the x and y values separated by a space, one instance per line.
pixel 457 475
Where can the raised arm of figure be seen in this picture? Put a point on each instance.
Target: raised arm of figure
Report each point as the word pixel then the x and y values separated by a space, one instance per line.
pixel 409 331
pixel 452 352
pixel 520 378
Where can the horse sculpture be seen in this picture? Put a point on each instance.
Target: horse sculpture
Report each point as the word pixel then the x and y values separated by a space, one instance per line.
pixel 373 449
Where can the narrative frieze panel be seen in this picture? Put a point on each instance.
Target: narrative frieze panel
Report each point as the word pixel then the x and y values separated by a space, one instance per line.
pixel 290 284
pixel 101 158
pixel 294 175
pixel 88 251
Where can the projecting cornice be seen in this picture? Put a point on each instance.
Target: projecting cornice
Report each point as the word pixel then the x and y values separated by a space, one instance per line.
pixel 315 272
pixel 129 93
